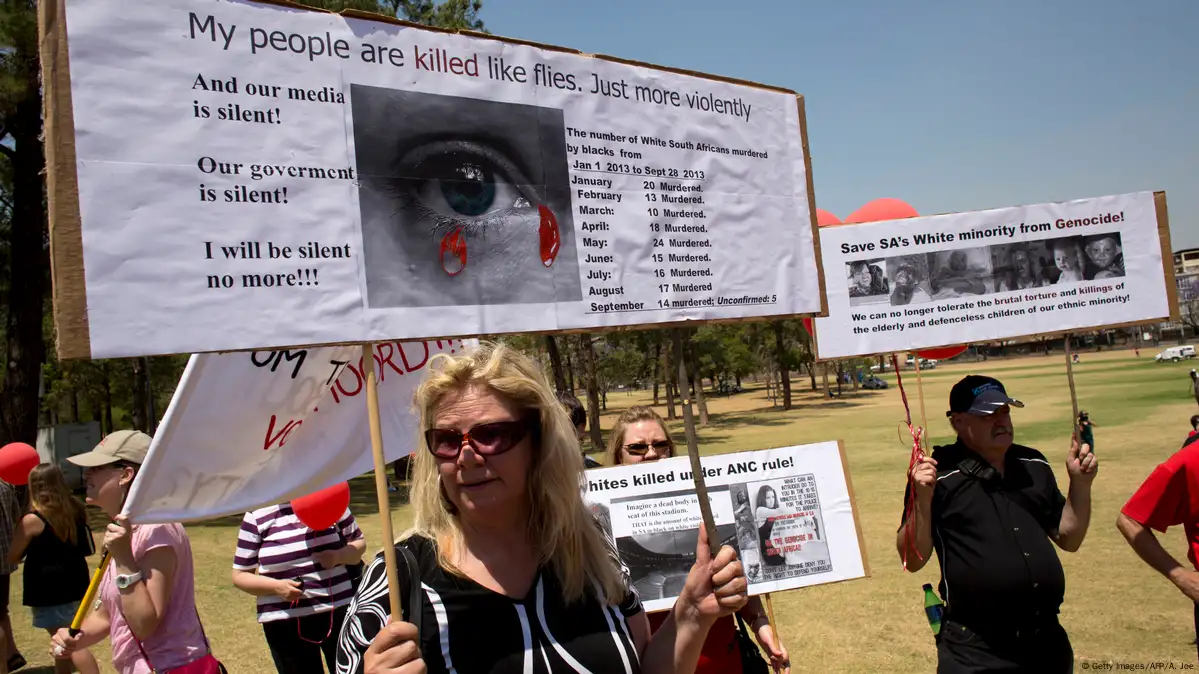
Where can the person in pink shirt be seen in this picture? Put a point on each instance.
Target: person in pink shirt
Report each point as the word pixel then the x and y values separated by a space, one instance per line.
pixel 146 603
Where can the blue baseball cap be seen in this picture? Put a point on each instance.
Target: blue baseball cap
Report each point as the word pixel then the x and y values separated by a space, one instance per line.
pixel 979 395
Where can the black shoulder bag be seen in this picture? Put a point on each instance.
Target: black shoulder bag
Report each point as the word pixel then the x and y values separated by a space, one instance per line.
pixel 415 603
pixel 751 658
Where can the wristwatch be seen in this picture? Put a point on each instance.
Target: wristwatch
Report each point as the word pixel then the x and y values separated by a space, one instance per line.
pixel 126 581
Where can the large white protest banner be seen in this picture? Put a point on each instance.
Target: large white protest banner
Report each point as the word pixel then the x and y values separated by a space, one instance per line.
pixel 996 274
pixel 250 175
pixel 250 429
pixel 789 512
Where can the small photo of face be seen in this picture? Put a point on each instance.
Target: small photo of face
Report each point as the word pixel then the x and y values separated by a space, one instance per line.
pixel 1105 256
pixel 867 282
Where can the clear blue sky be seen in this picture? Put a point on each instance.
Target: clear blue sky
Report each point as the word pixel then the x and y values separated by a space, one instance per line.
pixel 948 105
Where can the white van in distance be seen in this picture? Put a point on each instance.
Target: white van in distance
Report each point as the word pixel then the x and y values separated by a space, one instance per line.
pixel 1175 354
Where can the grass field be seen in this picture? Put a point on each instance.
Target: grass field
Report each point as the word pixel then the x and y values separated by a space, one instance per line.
pixel 1117 609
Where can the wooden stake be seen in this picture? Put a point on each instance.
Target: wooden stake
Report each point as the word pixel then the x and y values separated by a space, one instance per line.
pixel 389 551
pixel 1073 395
pixel 697 472
pixel 778 638
pixel 920 395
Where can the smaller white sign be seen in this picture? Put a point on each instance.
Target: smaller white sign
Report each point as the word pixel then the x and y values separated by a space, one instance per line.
pixel 990 275
pixel 246 430
pixel 787 511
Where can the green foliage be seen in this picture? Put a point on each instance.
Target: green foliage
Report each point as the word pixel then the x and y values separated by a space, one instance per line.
pixel 448 14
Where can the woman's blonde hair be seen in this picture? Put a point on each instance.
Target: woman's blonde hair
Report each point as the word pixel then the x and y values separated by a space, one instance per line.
pixel 627 418
pixel 560 526
pixel 50 497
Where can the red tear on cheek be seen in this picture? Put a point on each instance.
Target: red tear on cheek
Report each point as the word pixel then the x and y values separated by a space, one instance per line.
pixel 551 239
pixel 453 252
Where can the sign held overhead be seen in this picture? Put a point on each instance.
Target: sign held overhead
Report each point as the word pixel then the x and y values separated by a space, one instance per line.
pixel 270 196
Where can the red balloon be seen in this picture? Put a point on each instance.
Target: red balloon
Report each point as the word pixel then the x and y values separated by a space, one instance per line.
pixel 882 209
pixel 321 510
pixel 807 325
pixel 826 219
pixel 16 460
pixel 943 353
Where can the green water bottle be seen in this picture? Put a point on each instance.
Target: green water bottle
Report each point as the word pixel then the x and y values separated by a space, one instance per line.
pixel 933 608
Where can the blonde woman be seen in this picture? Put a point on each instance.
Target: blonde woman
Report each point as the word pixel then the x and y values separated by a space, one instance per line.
pixel 54 541
pixel 641 435
pixel 516 575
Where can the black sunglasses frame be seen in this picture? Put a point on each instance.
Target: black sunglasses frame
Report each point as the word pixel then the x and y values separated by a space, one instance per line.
pixel 664 444
pixel 530 424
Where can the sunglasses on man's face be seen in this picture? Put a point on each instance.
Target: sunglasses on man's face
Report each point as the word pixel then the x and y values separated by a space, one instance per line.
pixel 641 448
pixel 486 439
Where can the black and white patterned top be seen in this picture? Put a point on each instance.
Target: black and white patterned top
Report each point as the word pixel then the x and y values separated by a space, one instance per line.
pixel 468 629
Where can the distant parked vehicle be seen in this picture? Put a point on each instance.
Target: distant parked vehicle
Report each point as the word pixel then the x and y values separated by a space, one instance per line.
pixel 1175 354
pixel 873 383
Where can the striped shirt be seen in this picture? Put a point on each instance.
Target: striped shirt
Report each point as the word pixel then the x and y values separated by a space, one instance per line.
pixel 276 544
pixel 468 628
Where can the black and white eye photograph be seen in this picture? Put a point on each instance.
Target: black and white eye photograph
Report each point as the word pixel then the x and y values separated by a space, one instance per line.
pixel 1104 256
pixel 867 281
pixel 908 275
pixel 463 201
pixel 960 273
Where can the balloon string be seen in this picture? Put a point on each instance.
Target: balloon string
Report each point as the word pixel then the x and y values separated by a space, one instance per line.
pixel 917 433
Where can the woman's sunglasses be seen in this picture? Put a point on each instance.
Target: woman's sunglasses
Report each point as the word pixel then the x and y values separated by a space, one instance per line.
pixel 486 439
pixel 641 448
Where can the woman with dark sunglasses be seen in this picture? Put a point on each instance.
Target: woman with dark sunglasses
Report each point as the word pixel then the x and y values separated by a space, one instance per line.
pixel 515 573
pixel 641 435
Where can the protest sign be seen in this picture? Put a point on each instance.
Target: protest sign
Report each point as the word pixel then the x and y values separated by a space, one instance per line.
pixel 251 429
pixel 277 177
pixel 998 274
pixel 789 512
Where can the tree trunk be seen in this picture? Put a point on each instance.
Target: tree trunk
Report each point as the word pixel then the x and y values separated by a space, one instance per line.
pixel 551 345
pixel 137 385
pixel 811 365
pixel 593 413
pixel 854 376
pixel 657 364
pixel 781 355
pixel 697 382
pixel 98 413
pixel 28 259
pixel 151 411
pixel 570 368
pixel 106 424
pixel 669 386
pixel 840 375
pixel 828 392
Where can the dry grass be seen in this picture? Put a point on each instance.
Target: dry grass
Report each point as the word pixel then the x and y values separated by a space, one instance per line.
pixel 1117 609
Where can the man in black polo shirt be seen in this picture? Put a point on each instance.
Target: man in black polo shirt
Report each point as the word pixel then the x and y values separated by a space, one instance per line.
pixel 990 509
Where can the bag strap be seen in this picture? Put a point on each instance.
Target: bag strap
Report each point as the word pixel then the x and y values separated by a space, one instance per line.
pixel 987 473
pixel 416 607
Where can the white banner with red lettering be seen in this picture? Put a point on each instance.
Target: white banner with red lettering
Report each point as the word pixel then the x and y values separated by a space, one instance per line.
pixel 250 429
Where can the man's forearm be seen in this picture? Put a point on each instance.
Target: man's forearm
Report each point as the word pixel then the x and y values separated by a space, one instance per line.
pixel 1076 516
